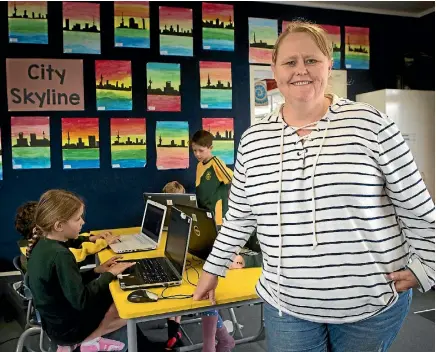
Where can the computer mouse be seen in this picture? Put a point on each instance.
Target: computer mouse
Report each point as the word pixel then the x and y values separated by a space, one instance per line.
pixel 142 296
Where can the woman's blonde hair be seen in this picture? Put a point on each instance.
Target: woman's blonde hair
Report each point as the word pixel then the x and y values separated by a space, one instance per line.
pixel 173 187
pixel 317 33
pixel 53 206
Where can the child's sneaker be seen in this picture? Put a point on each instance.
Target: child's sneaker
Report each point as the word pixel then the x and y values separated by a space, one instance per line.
pixel 101 344
pixel 174 342
pixel 66 348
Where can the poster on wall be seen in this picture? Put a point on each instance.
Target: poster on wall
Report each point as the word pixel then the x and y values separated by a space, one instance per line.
pixel 1 157
pixel 30 137
pixel 357 48
pixel 81 27
pixel 44 84
pixel 128 142
pixel 80 143
pixel 175 31
pixel 215 85
pixel 27 22
pixel 132 24
pixel 172 145
pixel 263 34
pixel 334 34
pixel 223 137
pixel 163 89
pixel 113 84
pixel 218 27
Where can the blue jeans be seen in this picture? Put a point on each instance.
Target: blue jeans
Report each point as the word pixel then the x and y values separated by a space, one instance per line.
pixel 375 334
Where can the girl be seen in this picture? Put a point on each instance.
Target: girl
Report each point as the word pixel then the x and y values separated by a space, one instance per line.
pixel 74 309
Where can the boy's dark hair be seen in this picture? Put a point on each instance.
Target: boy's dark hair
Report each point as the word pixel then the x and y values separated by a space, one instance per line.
pixel 25 219
pixel 203 138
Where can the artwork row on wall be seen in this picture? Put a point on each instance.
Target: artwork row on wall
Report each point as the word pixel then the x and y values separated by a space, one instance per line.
pixel 28 24
pixel 30 142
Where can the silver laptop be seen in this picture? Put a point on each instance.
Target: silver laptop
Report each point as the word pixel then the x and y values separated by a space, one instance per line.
pixel 167 270
pixel 151 230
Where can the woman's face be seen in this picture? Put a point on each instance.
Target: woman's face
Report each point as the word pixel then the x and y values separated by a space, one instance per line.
pixel 301 69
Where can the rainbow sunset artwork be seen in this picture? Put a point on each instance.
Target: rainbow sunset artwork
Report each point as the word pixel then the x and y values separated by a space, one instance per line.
pixel 80 143
pixel 163 90
pixel 172 145
pixel 1 157
pixel 128 142
pixel 334 34
pixel 224 137
pixel 218 27
pixel 215 85
pixel 81 27
pixel 262 37
pixel 175 31
pixel 27 22
pixel 113 84
pixel 357 48
pixel 132 24
pixel 30 137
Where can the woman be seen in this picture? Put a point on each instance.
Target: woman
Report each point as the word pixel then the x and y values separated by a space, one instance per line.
pixel 343 217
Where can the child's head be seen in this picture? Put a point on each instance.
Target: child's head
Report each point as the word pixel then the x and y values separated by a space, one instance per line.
pixel 25 219
pixel 59 213
pixel 201 143
pixel 173 187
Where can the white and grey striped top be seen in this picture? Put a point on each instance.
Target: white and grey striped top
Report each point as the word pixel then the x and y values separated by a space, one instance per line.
pixel 373 214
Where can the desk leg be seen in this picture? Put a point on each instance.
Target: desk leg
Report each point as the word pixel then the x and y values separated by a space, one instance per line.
pixel 132 339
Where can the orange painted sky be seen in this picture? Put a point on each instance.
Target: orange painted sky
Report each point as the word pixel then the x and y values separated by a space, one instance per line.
pixel 357 35
pixel 128 127
pixel 79 127
pixel 138 9
pixel 114 70
pixel 30 124
pixel 175 16
pixel 218 124
pixel 212 11
pixel 217 70
pixel 30 6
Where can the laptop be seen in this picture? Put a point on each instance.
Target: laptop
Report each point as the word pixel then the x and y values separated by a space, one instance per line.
pixel 170 199
pixel 163 271
pixel 203 231
pixel 151 230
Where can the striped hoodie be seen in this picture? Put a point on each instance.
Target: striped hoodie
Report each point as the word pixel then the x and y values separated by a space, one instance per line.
pixel 335 212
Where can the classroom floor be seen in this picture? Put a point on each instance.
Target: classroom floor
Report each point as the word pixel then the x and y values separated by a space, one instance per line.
pixel 417 334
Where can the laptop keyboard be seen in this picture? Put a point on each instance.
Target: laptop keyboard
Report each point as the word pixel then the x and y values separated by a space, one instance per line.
pixel 155 270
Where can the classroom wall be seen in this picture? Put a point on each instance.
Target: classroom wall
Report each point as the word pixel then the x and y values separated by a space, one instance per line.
pixel 114 196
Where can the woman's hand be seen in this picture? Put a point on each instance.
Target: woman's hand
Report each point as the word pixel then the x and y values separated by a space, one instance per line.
pixel 107 264
pixel 404 280
pixel 206 287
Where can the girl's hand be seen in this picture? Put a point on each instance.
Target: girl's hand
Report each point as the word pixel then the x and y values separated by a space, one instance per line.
pixel 107 265
pixel 118 268
pixel 206 287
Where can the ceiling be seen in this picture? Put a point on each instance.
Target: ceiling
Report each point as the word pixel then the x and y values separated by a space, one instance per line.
pixel 396 8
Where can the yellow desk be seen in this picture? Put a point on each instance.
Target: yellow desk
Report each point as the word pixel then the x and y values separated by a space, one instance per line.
pixel 237 289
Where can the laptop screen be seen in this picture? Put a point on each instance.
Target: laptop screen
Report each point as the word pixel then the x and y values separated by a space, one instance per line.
pixel 152 222
pixel 177 239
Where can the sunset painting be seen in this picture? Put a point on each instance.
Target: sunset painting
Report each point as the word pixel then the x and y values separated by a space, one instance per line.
pixel 334 34
pixel 132 24
pixel 224 139
pixel 357 48
pixel 80 143
pixel 262 37
pixel 113 84
pixel 215 85
pixel 81 27
pixel 218 27
pixel 128 142
pixel 175 31
pixel 27 21
pixel 163 89
pixel 30 137
pixel 172 145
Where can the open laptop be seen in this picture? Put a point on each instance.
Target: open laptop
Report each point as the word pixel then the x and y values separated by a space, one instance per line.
pixel 151 230
pixel 170 199
pixel 167 270
pixel 203 231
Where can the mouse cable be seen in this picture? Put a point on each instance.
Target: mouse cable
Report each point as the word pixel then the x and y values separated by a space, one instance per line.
pixel 179 296
pixel 187 268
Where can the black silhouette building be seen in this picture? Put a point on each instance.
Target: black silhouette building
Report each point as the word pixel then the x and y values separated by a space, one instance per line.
pixel 92 143
pixel 172 144
pixel 219 84
pixel 167 90
pixel 132 23
pixel 218 24
pixel 177 32
pixel 34 141
pixel 356 49
pixel 260 44
pixel 128 141
pixel 78 28
pixel 38 16
pixel 110 86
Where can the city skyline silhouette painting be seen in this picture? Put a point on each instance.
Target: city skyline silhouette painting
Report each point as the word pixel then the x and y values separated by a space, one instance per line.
pixel 81 27
pixel 215 85
pixel 27 22
pixel 1 156
pixel 132 24
pixel 175 31
pixel 224 137
pixel 263 34
pixel 80 143
pixel 218 27
pixel 30 140
pixel 357 48
pixel 128 142
pixel 334 34
pixel 172 145
pixel 163 87
pixel 113 81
